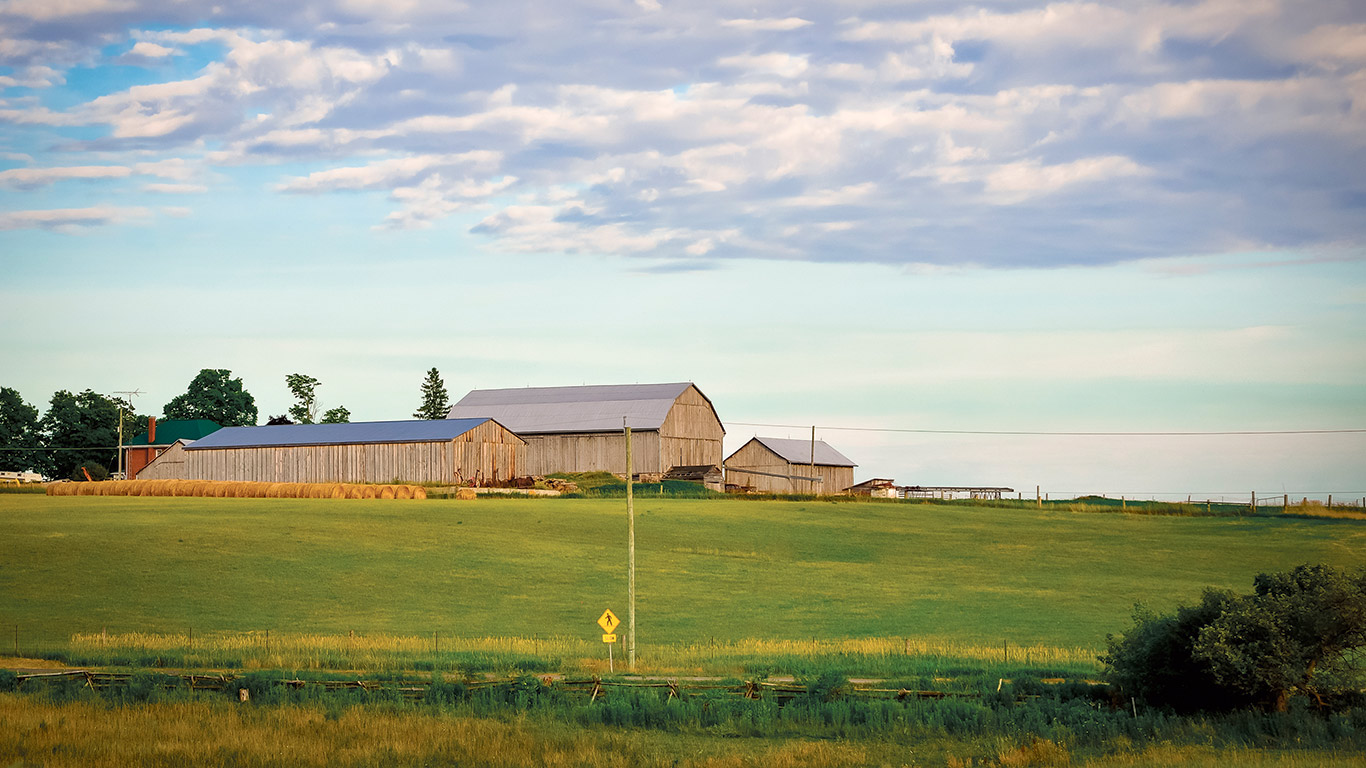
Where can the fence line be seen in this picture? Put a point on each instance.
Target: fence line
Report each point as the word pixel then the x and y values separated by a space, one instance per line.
pixel 594 688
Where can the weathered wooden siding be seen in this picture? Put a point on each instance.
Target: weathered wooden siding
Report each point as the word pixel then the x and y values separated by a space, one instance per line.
pixel 170 465
pixel 691 434
pixel 487 452
pixel 592 452
pixel 754 455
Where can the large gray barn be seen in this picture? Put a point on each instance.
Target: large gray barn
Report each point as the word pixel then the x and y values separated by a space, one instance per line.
pixel 779 465
pixel 426 451
pixel 579 429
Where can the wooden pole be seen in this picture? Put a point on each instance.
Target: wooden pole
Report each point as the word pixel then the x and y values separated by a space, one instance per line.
pixel 630 559
pixel 1038 500
pixel 812 467
pixel 1254 503
pixel 1330 501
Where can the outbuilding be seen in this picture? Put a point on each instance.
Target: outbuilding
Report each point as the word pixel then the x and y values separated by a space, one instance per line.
pixel 160 436
pixel 579 429
pixel 780 465
pixel 447 451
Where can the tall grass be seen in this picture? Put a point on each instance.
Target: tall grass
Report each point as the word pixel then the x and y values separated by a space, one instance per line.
pixel 885 657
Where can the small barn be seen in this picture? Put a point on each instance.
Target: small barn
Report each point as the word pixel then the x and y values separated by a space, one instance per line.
pixel 878 488
pixel 709 475
pixel 579 429
pixel 160 436
pixel 447 451
pixel 779 465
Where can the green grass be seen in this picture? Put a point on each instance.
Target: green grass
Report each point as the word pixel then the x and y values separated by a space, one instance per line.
pixel 723 569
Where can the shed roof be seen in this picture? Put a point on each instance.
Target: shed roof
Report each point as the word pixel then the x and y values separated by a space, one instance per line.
pixel 596 408
pixel 171 430
pixel 409 431
pixel 799 452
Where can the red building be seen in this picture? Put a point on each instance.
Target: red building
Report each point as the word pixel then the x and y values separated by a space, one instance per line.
pixel 139 452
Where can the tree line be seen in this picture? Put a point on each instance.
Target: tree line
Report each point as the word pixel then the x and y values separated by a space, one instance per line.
pixel 79 432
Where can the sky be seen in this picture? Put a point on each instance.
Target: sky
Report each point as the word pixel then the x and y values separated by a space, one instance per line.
pixel 1000 217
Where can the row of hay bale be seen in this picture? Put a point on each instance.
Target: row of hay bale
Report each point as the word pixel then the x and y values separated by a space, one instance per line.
pixel 227 489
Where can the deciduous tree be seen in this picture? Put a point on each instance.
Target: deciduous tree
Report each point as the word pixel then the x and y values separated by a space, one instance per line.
pixel 82 428
pixel 215 395
pixel 1301 633
pixel 338 415
pixel 305 411
pixel 19 434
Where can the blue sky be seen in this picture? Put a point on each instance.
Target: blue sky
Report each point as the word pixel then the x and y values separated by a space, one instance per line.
pixel 1004 216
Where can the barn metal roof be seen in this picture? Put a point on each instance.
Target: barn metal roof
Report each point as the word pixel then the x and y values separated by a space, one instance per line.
pixel 171 430
pixel 411 431
pixel 597 408
pixel 799 451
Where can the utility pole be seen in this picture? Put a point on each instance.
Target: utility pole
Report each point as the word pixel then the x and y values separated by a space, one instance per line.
pixel 131 394
pixel 812 467
pixel 630 556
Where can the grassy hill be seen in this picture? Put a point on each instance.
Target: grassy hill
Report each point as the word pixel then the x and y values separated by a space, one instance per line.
pixel 707 569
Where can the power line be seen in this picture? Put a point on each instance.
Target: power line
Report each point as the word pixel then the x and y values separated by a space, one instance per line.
pixel 1056 434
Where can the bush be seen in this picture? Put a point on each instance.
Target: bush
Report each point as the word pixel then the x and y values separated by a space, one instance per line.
pixel 97 471
pixel 1296 635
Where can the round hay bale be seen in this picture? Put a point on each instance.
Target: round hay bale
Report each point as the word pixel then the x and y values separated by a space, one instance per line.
pixel 419 492
pixel 403 491
pixel 179 487
pixel 319 491
pixel 273 490
pixel 334 491
pixel 353 491
pixel 386 492
pixel 369 492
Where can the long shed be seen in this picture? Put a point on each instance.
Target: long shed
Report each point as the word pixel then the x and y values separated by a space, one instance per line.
pixel 449 451
pixel 579 429
pixel 780 465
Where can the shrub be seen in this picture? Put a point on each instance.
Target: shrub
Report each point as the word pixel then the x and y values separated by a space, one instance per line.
pixel 1296 635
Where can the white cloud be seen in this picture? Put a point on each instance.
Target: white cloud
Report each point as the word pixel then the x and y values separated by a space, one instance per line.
pixel 71 219
pixel 1015 182
pixel 780 64
pixel 767 25
pixel 49 10
pixel 38 177
pixel 149 50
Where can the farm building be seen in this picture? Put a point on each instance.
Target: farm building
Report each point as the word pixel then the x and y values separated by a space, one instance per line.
pixel 709 475
pixel 453 451
pixel 777 465
pixel 141 450
pixel 579 429
pixel 878 488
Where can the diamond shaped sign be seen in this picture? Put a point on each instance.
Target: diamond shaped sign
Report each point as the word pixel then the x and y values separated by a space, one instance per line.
pixel 608 621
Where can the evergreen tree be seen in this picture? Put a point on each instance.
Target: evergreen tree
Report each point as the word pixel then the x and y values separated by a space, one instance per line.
pixel 436 403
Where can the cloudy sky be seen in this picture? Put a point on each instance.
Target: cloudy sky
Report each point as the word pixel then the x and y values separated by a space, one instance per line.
pixel 1011 216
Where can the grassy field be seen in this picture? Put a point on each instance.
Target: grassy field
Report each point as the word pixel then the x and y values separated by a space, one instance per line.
pixel 201 732
pixel 709 572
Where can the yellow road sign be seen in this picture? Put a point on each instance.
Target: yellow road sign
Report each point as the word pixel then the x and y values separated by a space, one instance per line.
pixel 609 638
pixel 608 621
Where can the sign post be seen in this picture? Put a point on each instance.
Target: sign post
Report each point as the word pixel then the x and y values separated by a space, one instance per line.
pixel 609 622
